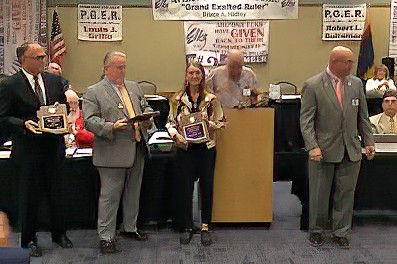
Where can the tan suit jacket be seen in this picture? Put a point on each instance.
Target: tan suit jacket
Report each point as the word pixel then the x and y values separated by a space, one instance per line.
pixel 102 107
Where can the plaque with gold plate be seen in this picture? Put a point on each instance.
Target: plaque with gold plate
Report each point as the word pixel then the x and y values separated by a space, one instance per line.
pixel 194 128
pixel 53 119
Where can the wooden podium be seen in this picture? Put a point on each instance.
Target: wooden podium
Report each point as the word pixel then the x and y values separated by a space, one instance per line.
pixel 244 167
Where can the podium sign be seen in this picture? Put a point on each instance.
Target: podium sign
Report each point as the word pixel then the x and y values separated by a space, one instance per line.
pixel 53 119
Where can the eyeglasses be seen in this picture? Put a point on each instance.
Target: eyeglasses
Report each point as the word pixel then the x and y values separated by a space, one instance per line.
pixel 41 57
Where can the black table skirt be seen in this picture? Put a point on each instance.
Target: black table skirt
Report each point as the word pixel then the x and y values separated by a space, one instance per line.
pixel 81 190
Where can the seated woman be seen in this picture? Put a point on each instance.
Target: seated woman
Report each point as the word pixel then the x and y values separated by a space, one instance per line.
pixel 78 136
pixel 194 160
pixel 381 82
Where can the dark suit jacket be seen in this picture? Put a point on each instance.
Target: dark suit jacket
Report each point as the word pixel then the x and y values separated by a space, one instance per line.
pixel 19 103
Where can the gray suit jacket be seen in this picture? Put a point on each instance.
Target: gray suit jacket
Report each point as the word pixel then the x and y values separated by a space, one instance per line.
pixel 102 107
pixel 326 125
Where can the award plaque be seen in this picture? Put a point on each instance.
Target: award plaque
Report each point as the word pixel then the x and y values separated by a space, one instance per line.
pixel 194 128
pixel 53 119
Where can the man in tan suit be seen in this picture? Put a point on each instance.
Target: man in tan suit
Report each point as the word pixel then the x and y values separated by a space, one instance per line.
pixel 118 148
pixel 333 115
pixel 386 122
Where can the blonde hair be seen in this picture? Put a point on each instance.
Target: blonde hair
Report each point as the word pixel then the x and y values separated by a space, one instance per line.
pixel 377 68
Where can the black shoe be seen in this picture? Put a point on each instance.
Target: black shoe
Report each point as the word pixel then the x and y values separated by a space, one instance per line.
pixel 206 239
pixel 63 241
pixel 316 239
pixel 196 230
pixel 137 235
pixel 343 242
pixel 186 237
pixel 108 247
pixel 35 250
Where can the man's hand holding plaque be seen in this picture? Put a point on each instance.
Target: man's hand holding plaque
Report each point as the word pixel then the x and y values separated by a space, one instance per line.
pixel 52 119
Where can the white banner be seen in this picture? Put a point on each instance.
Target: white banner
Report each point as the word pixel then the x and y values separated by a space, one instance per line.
pixel 393 31
pixel 20 21
pixel 224 9
pixel 100 22
pixel 209 41
pixel 343 22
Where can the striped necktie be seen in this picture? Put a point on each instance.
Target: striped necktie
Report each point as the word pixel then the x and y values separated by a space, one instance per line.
pixel 392 126
pixel 38 91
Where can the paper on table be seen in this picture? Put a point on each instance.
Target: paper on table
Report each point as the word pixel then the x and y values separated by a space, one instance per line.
pixel 83 152
pixel 70 151
pixel 7 144
pixel 5 154
pixel 160 137
pixel 386 147
pixel 290 96
pixel 154 97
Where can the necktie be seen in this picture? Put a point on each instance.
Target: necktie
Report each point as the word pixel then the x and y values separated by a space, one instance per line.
pixel 130 109
pixel 392 126
pixel 338 90
pixel 38 91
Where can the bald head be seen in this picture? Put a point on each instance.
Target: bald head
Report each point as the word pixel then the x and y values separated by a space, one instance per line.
pixel 235 62
pixel 32 56
pixel 341 61
pixel 73 100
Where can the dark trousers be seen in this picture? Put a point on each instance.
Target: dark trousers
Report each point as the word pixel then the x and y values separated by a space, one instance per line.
pixel 198 162
pixel 40 172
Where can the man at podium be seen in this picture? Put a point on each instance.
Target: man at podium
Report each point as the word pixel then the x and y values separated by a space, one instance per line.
pixel 233 84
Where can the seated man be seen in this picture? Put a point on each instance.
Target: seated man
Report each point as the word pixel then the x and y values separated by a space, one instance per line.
pixel 385 123
pixel 78 135
pixel 233 84
pixel 56 69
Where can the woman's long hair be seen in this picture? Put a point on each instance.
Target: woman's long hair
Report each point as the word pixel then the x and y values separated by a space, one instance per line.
pixel 186 85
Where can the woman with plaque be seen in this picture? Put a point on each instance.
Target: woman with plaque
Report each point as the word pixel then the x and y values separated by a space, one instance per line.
pixel 195 114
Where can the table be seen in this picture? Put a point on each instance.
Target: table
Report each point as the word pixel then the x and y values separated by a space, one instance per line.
pixel 81 191
pixel 376 184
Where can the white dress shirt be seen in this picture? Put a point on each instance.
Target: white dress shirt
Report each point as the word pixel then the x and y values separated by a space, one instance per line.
pixel 31 81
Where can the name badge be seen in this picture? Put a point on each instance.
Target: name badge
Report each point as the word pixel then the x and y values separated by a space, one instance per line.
pixel 355 102
pixel 120 106
pixel 246 92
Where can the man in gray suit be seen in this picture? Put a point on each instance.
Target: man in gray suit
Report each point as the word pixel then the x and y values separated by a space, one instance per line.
pixel 118 148
pixel 333 115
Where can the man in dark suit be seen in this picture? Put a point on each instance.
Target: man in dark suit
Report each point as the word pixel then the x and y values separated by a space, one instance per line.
pixel 37 156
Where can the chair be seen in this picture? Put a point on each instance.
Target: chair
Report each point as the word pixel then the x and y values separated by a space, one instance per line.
pixel 147 87
pixel 287 88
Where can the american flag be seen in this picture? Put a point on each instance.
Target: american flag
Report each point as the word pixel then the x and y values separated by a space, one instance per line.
pixel 57 44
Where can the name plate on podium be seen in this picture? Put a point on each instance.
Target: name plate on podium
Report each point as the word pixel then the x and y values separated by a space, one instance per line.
pixel 194 128
pixel 53 119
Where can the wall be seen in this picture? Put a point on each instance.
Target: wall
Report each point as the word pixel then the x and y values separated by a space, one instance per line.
pixel 155 49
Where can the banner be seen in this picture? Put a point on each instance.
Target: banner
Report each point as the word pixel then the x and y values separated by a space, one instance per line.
pixel 100 22
pixel 393 31
pixel 343 22
pixel 224 9
pixel 210 41
pixel 20 21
